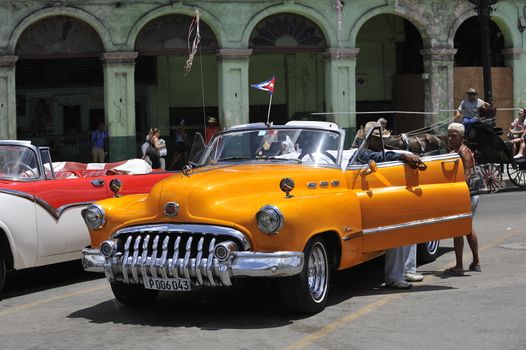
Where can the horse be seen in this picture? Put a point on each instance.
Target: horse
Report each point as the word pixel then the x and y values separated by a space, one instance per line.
pixel 421 144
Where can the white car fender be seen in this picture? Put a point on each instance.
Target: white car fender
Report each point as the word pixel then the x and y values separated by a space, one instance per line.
pixel 20 228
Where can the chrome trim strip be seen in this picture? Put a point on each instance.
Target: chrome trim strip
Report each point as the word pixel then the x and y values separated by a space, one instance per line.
pixel 55 213
pixel 198 261
pixel 18 194
pixel 416 223
pixel 186 260
pixel 162 261
pixel 135 258
pixel 125 259
pixel 153 258
pixel 144 256
pixel 204 229
pixel 175 257
pixel 210 262
pixel 352 235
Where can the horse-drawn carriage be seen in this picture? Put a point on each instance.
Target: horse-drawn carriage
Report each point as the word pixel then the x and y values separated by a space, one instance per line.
pixel 492 154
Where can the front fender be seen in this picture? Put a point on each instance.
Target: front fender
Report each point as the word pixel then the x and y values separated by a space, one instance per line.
pixel 305 217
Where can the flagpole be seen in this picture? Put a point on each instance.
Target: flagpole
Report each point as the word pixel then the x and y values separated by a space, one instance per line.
pixel 269 104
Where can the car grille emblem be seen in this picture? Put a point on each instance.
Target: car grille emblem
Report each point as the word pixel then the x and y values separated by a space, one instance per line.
pixel 171 209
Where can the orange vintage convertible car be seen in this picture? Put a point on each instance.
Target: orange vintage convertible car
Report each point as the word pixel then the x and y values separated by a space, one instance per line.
pixel 272 201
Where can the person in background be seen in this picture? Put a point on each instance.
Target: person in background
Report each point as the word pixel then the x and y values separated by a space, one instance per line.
pixel 144 148
pixel 156 145
pixel 410 266
pixel 517 134
pixel 180 157
pixel 99 143
pixel 383 123
pixel 469 108
pixel 395 259
pixel 163 152
pixel 211 128
pixel 455 135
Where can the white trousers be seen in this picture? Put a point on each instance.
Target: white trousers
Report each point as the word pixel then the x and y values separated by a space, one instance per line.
pixel 410 262
pixel 395 264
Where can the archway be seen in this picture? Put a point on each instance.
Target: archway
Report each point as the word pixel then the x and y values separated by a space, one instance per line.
pixel 59 85
pixel 289 47
pixel 467 43
pixel 468 66
pixel 165 94
pixel 389 72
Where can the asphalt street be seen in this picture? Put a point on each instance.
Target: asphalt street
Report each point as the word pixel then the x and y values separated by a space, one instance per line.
pixel 62 307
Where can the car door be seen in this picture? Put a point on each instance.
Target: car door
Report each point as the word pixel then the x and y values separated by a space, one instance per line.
pixel 60 227
pixel 400 205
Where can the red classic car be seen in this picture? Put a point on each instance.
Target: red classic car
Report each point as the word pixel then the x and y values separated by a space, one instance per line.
pixel 41 201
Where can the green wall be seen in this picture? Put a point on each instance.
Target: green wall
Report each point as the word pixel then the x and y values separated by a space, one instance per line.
pixel 376 60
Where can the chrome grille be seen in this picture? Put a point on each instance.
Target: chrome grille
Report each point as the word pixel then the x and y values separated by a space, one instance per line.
pixel 172 251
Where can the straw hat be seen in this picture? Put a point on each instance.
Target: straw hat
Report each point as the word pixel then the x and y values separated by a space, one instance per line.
pixel 471 91
pixel 376 132
pixel 211 120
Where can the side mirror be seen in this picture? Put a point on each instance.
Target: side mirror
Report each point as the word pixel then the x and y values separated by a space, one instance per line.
pixel 115 186
pixel 372 167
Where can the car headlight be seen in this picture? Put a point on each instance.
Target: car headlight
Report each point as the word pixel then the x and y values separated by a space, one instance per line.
pixel 94 217
pixel 269 219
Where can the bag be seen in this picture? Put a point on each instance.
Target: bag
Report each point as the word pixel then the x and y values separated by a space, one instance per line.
pixel 476 182
pixel 152 153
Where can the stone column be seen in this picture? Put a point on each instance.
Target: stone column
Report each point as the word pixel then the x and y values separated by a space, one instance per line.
pixel 438 83
pixel 515 60
pixel 340 88
pixel 233 86
pixel 7 97
pixel 119 103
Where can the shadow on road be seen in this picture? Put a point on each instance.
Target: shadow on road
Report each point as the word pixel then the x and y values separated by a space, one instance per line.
pixel 38 279
pixel 251 305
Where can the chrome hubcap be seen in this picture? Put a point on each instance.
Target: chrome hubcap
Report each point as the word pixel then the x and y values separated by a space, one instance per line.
pixel 317 272
pixel 432 247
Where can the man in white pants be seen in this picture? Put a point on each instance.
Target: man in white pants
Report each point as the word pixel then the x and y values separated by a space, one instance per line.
pixel 400 267
pixel 410 267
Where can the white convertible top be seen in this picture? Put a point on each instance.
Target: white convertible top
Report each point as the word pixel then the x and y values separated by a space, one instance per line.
pixel 316 124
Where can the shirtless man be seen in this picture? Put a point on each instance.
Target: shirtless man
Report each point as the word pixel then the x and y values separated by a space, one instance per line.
pixel 455 135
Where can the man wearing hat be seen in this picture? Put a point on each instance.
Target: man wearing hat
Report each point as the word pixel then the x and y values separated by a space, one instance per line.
pixel 374 148
pixel 396 274
pixel 470 106
pixel 211 128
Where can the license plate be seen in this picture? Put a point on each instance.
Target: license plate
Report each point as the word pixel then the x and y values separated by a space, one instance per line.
pixel 167 284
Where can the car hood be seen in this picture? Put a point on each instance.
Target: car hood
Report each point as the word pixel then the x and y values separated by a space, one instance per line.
pixel 220 195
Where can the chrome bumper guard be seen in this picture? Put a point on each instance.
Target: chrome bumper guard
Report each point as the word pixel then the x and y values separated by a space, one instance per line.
pixel 201 272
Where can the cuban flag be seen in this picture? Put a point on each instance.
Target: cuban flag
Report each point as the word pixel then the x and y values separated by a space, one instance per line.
pixel 267 85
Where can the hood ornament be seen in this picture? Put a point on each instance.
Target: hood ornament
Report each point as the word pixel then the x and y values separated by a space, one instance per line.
pixel 287 185
pixel 171 209
pixel 188 169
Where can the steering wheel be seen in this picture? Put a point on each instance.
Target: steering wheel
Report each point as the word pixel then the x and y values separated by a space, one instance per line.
pixel 325 153
pixel 20 167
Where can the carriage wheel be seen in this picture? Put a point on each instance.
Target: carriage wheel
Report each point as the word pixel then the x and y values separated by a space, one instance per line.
pixel 517 176
pixel 492 176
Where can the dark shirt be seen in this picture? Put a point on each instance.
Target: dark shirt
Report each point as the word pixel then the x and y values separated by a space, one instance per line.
pixel 366 155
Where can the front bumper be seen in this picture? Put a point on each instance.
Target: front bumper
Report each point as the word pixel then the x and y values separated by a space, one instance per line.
pixel 201 272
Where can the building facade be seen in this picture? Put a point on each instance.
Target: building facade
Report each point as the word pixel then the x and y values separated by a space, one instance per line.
pixel 67 65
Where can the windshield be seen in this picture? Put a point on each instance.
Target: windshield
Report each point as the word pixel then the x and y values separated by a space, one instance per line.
pixel 18 162
pixel 307 146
